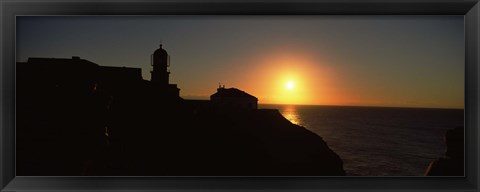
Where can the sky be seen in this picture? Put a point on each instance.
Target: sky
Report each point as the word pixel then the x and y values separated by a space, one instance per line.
pixel 395 61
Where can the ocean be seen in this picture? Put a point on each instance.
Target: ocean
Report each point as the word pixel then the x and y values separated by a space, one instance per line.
pixel 378 141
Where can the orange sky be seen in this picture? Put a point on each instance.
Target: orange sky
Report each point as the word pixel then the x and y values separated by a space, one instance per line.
pixel 318 82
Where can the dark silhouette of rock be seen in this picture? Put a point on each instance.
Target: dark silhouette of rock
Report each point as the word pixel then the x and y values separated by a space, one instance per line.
pixel 453 163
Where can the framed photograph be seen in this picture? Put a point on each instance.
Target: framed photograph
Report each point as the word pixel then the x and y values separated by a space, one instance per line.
pixel 186 95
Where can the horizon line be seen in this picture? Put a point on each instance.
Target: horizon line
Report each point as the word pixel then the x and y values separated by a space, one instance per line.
pixel 333 105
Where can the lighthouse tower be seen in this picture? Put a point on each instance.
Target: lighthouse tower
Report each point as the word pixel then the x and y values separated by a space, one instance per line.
pixel 160 60
pixel 161 63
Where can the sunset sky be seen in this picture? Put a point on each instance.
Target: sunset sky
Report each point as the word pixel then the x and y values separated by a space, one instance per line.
pixel 399 61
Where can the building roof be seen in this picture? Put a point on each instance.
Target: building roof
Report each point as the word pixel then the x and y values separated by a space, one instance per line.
pixel 75 66
pixel 160 51
pixel 61 62
pixel 231 92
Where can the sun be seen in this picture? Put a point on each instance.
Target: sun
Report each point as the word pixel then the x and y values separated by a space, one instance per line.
pixel 290 85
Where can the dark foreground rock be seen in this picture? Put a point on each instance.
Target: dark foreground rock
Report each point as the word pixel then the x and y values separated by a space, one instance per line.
pixel 217 143
pixel 149 138
pixel 453 163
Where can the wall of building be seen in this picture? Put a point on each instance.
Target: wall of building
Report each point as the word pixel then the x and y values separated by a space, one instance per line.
pixel 234 102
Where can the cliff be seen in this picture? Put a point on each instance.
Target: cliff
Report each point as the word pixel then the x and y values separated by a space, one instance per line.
pixel 182 141
pixel 130 135
pixel 453 162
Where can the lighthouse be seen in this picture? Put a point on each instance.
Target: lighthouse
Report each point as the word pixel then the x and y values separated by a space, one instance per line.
pixel 161 62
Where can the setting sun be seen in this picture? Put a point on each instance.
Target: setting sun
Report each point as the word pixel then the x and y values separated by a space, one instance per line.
pixel 290 85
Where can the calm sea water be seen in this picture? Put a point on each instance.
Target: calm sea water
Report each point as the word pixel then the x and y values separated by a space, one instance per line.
pixel 378 141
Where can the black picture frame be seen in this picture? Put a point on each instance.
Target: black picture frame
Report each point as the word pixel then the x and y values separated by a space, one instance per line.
pixel 10 9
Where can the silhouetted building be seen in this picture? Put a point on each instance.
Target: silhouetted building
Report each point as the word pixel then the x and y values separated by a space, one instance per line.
pixel 120 74
pixel 48 74
pixel 76 74
pixel 160 60
pixel 232 98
